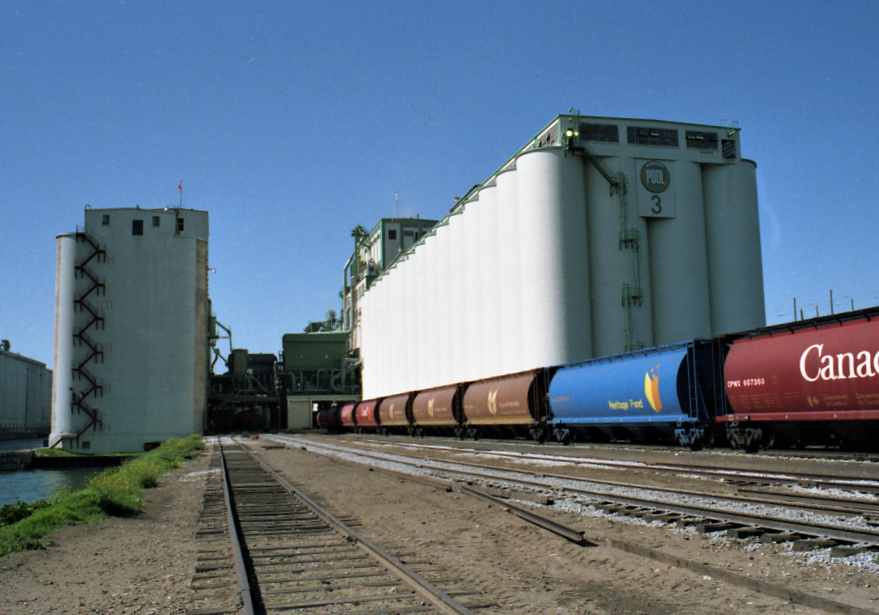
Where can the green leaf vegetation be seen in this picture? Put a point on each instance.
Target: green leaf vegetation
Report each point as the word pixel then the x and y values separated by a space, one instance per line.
pixel 115 492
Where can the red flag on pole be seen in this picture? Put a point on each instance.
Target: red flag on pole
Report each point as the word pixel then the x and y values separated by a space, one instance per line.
pixel 180 186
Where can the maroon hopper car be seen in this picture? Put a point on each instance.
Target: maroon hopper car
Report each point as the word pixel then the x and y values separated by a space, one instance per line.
pixel 817 384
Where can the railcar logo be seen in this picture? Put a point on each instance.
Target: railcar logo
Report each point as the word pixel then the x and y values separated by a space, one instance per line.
pixel 391 411
pixel 846 364
pixel 492 401
pixel 651 389
pixel 430 406
pixel 654 176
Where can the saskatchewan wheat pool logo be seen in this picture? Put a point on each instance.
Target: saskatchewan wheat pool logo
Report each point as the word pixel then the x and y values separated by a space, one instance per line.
pixel 655 176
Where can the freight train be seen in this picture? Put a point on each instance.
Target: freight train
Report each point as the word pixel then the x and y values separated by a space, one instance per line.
pixel 810 382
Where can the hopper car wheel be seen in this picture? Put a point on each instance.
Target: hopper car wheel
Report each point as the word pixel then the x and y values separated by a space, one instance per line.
pixel 538 434
pixel 565 436
pixel 473 434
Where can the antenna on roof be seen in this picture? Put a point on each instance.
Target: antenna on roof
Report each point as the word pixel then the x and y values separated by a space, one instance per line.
pixel 732 126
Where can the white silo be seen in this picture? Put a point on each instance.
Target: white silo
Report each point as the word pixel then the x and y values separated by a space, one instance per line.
pixel 402 371
pixel 489 280
pixel 425 314
pixel 509 271
pixel 389 369
pixel 472 297
pixel 612 264
pixel 415 342
pixel 457 339
pixel 554 266
pixel 442 330
pixel 62 384
pixel 678 261
pixel 367 321
pixel 373 345
pixel 411 330
pixel 735 268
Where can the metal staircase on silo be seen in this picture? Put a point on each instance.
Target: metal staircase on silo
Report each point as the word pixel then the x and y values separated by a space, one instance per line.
pixel 95 317
pixel 629 239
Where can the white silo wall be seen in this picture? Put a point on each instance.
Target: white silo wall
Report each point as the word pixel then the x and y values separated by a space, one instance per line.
pixel 430 319
pixel 457 338
pixel 389 315
pixel 368 322
pixel 370 325
pixel 472 297
pixel 555 273
pixel 402 360
pixel 442 331
pixel 409 342
pixel 489 281
pixel 63 357
pixel 421 321
pixel 609 265
pixel 735 269
pixel 642 316
pixel 509 272
pixel 413 317
pixel 679 264
pixel 375 345
pixel 392 300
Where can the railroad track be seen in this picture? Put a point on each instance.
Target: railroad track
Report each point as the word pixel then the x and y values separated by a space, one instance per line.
pixel 807 523
pixel 578 537
pixel 736 476
pixel 269 548
pixel 761 486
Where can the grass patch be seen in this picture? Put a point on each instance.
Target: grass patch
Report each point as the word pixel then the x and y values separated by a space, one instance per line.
pixel 116 492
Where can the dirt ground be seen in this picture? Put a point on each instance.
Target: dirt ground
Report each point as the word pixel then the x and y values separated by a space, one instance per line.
pixel 145 564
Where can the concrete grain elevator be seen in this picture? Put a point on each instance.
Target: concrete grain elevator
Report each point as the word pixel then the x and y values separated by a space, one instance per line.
pixel 599 236
pixel 131 330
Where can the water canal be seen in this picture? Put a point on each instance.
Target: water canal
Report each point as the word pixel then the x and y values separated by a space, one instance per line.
pixel 32 485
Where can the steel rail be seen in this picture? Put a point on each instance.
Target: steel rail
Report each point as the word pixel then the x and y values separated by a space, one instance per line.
pixel 424 588
pixel 237 553
pixel 546 523
pixel 780 525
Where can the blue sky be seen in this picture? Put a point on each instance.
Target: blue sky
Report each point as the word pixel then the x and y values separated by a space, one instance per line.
pixel 292 122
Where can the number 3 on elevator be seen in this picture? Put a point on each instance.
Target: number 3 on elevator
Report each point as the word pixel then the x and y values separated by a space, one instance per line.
pixel 657 204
